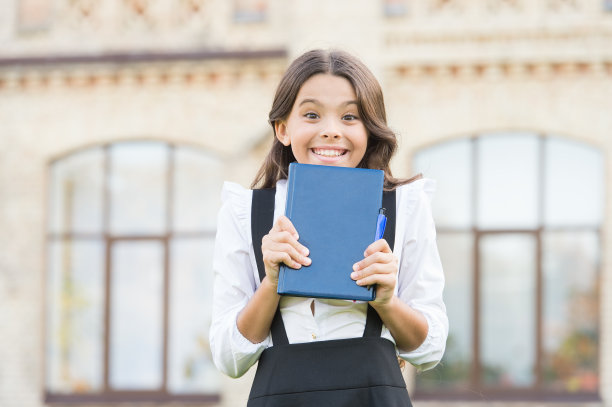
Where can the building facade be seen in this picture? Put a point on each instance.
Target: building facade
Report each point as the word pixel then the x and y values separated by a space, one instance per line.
pixel 119 121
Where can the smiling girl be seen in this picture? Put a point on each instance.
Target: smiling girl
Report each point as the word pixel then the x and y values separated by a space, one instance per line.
pixel 328 110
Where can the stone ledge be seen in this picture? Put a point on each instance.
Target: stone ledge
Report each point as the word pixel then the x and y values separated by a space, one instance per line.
pixel 495 70
pixel 80 71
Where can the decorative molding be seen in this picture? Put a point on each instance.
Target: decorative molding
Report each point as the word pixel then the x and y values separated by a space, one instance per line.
pixel 398 38
pixel 222 74
pixel 81 71
pixel 87 25
pixel 124 16
pixel 434 9
pixel 140 57
pixel 501 70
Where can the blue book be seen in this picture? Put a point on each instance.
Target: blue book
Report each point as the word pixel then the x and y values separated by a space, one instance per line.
pixel 334 210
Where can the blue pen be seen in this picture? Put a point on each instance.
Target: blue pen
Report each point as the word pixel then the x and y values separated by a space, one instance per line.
pixel 381 222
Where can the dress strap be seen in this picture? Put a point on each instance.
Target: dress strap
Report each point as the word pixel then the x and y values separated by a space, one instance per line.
pixel 373 326
pixel 262 219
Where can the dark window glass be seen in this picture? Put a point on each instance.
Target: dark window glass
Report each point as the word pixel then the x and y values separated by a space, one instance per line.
pixel 507 320
pixel 571 311
pixel 395 8
pixel 518 218
pixel 131 232
pixel 456 251
pixel 250 11
pixel 507 188
pixel 75 315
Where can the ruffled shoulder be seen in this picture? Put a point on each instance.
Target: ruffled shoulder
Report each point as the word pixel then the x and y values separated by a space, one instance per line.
pixel 237 199
pixel 415 193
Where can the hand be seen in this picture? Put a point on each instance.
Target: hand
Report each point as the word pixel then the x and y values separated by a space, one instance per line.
pixel 281 245
pixel 378 267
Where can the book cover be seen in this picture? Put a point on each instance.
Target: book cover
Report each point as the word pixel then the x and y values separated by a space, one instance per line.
pixel 334 210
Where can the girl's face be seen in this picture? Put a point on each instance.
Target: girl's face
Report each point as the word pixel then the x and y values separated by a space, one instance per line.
pixel 324 126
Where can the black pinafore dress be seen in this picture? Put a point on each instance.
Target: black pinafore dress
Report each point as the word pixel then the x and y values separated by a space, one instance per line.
pixel 351 372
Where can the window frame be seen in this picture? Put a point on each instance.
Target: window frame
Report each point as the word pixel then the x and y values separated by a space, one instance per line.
pixel 477 391
pixel 107 394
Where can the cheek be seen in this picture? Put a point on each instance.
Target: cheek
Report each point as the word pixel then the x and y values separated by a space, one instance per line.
pixel 363 140
pixel 362 147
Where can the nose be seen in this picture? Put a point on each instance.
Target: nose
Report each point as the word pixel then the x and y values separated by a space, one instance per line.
pixel 331 130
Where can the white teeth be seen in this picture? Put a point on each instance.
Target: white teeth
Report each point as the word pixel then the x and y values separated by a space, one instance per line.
pixel 328 153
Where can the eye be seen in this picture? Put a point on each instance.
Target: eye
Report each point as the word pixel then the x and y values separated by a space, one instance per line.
pixel 311 115
pixel 349 117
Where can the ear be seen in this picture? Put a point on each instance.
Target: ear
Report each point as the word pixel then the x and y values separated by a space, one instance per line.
pixel 280 128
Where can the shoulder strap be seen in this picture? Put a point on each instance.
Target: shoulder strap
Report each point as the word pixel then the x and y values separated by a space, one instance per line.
pixel 389 205
pixel 262 219
pixel 373 326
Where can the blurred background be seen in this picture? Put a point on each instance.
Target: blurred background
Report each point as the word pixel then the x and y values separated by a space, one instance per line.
pixel 120 119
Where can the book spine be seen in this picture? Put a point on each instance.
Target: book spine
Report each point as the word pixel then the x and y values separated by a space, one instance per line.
pixel 290 191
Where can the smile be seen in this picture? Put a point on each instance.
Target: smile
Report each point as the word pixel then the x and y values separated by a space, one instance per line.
pixel 327 152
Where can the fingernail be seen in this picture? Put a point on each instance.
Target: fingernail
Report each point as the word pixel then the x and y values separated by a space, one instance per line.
pixel 356 266
pixel 307 260
pixel 353 275
pixel 305 251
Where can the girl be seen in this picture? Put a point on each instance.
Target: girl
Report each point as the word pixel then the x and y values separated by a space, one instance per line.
pixel 328 110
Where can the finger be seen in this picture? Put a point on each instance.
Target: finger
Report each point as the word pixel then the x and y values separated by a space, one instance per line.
pixel 381 280
pixel 380 245
pixel 286 237
pixel 284 224
pixel 274 259
pixel 291 250
pixel 377 257
pixel 376 268
pixel 289 234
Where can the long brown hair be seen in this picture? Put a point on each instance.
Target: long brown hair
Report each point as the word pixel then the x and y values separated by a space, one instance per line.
pixel 382 142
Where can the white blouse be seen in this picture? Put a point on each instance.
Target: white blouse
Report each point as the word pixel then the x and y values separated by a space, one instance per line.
pixel 420 283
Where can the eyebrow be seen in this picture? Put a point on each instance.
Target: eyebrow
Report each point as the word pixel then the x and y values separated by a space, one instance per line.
pixel 316 102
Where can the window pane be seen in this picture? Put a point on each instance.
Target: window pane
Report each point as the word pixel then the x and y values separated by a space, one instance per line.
pixel 508 270
pixel 395 7
pixel 248 11
pixel 508 181
pixel 190 363
pixel 454 369
pixel 35 14
pixel 571 315
pixel 450 165
pixel 77 193
pixel 138 188
pixel 75 324
pixel 574 184
pixel 136 331
pixel 197 182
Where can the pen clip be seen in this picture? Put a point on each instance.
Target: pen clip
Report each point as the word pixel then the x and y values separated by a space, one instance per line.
pixel 381 222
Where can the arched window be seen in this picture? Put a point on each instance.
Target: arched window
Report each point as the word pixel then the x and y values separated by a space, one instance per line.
pixel 519 220
pixel 130 239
